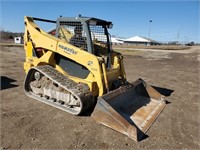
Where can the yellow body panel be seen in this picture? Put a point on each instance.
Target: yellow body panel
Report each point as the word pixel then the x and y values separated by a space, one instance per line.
pixel 50 45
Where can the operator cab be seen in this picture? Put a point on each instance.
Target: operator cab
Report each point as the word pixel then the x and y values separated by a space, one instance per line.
pixel 89 34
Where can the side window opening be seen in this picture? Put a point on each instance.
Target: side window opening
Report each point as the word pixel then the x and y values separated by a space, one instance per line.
pixel 73 33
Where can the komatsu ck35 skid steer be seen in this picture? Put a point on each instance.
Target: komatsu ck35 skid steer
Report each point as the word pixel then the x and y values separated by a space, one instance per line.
pixel 73 68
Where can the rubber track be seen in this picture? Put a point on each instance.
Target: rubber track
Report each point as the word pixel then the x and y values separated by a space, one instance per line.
pixel 80 91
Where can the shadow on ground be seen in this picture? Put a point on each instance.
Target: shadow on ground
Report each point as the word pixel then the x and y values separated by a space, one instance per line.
pixel 6 83
pixel 163 91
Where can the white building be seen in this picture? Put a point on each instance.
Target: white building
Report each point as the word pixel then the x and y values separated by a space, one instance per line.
pixel 18 40
pixel 116 41
pixel 137 40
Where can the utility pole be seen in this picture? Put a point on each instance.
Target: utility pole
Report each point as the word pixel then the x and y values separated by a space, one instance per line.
pixel 150 28
pixel 185 40
pixel 178 35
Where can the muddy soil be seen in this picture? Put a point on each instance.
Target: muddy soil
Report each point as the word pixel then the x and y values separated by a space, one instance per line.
pixel 30 124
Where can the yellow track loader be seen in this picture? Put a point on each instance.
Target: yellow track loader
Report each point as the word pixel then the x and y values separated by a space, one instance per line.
pixel 73 68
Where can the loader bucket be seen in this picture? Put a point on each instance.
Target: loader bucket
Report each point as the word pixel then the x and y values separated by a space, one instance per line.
pixel 130 109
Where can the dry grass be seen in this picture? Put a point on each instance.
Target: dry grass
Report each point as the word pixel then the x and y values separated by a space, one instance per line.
pixel 117 47
pixel 128 52
pixel 160 47
pixel 11 44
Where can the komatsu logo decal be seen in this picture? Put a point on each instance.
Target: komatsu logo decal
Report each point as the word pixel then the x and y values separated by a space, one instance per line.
pixel 68 50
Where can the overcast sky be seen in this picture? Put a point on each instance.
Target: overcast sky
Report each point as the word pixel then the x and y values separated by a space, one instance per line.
pixel 171 20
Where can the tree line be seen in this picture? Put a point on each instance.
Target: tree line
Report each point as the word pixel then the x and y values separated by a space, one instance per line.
pixel 6 35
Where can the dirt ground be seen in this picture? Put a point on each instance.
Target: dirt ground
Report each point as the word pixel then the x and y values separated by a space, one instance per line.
pixel 30 124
